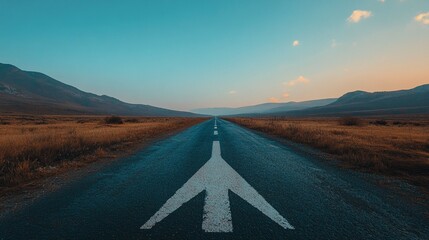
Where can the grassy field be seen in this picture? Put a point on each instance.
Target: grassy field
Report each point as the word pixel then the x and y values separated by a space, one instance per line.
pixel 33 147
pixel 396 147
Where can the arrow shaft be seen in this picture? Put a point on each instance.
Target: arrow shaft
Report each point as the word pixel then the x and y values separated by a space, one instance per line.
pixel 217 213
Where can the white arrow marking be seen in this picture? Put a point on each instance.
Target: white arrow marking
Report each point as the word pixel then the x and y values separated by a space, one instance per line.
pixel 216 177
pixel 216 133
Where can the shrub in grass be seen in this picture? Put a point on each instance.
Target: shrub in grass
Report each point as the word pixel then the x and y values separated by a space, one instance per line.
pixel 113 120
pixel 4 122
pixel 380 122
pixel 350 121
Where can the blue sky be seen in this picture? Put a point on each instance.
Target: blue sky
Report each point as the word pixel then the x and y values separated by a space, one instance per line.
pixel 192 54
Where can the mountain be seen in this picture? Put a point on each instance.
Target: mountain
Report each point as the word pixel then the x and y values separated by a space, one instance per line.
pixel 412 101
pixel 223 111
pixel 291 106
pixel 36 93
pixel 264 108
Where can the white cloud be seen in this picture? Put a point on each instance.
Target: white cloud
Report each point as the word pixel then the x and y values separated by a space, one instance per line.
pixel 423 18
pixel 285 95
pixel 382 1
pixel 358 15
pixel 232 92
pixel 296 43
pixel 300 79
pixel 333 43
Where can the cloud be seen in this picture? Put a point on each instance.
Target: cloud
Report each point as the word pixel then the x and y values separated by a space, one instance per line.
pixel 358 15
pixel 285 95
pixel 232 92
pixel 299 80
pixel 334 43
pixel 382 1
pixel 273 100
pixel 423 18
pixel 296 43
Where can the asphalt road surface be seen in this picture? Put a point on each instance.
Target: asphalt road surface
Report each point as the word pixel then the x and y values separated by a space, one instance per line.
pixel 222 182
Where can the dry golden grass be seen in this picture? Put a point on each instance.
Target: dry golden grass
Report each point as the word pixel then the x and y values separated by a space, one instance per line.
pixel 33 147
pixel 400 148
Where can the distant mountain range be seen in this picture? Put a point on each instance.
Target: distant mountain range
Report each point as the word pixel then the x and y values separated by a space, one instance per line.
pixel 36 93
pixel 265 108
pixel 24 92
pixel 358 103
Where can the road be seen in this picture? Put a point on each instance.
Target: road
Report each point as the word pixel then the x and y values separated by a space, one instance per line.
pixel 222 182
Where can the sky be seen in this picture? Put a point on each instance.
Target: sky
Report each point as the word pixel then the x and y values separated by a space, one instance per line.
pixel 221 53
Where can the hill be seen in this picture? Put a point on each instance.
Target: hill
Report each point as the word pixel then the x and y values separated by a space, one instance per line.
pixel 412 101
pixel 25 92
pixel 264 108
